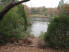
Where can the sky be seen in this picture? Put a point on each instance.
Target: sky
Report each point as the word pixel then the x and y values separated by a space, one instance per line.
pixel 40 3
pixel 46 3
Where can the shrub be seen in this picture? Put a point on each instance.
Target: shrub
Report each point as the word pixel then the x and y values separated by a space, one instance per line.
pixel 42 35
pixel 13 24
pixel 58 32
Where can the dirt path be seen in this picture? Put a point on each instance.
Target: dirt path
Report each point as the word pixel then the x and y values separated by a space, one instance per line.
pixel 21 48
pixel 25 49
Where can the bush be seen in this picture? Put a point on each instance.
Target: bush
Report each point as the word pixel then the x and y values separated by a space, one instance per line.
pixel 58 32
pixel 13 24
pixel 42 35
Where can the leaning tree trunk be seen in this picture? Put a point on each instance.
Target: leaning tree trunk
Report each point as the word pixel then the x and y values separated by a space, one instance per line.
pixel 9 6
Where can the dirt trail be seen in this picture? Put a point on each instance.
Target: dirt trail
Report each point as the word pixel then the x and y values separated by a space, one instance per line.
pixel 35 42
pixel 16 48
pixel 25 49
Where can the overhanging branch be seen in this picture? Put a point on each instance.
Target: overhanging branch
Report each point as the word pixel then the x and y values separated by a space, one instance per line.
pixel 19 2
pixel 9 6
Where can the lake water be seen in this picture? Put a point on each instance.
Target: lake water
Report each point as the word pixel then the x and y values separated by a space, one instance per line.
pixel 38 27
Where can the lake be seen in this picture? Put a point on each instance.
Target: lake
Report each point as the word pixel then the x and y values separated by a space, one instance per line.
pixel 38 27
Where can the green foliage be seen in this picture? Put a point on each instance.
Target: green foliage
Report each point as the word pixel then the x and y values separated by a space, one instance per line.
pixel 58 32
pixel 42 35
pixel 23 14
pixel 5 2
pixel 28 35
pixel 13 24
pixel 1 7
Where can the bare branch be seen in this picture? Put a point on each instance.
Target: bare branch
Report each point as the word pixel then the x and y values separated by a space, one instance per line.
pixel 19 2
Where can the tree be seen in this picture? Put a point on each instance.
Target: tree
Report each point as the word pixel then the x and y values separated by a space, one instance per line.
pixel 66 8
pixel 10 5
pixel 44 11
pixel 60 6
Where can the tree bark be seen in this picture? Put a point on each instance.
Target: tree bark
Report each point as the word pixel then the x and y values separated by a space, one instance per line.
pixel 9 6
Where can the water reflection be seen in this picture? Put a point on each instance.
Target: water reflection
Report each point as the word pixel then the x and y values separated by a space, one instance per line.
pixel 38 27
